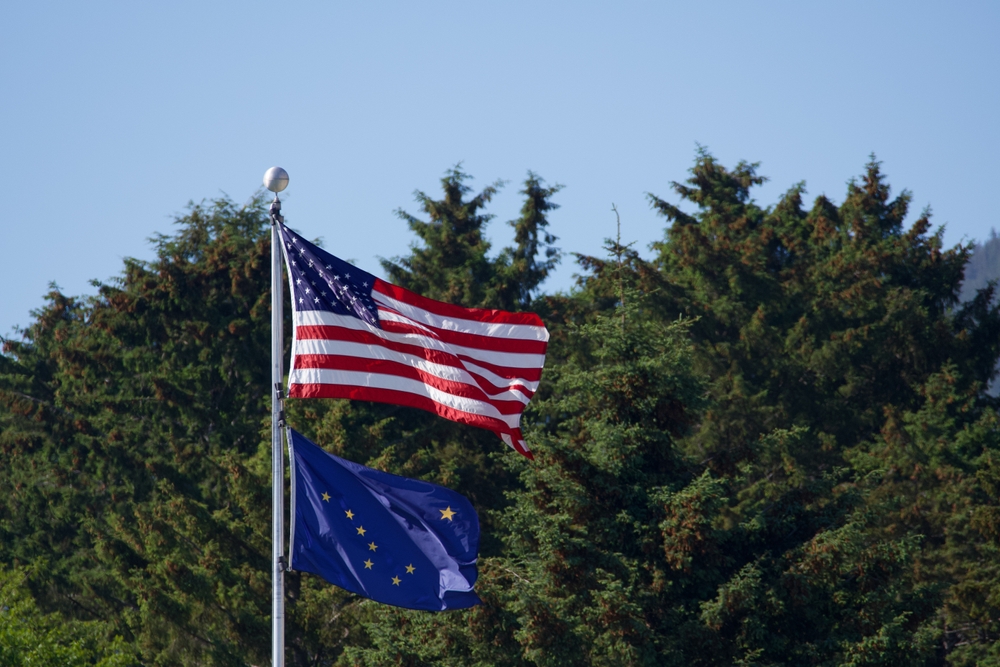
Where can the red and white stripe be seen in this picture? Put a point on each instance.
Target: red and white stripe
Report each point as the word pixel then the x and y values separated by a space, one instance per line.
pixel 474 366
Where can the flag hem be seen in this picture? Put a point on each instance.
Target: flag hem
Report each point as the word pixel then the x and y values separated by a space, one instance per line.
pixel 291 508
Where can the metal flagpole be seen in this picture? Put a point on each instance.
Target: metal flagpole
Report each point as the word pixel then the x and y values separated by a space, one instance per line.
pixel 276 180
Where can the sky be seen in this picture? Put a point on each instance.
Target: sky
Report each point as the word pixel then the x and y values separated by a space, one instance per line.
pixel 116 115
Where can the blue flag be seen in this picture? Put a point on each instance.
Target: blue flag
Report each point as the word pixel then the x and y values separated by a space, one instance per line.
pixel 395 540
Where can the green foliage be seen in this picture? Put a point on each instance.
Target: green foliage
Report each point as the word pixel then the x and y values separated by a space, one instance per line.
pixel 592 533
pixel 939 469
pixel 813 318
pixel 452 263
pixel 571 587
pixel 131 425
pixel 769 444
pixel 29 637
pixel 620 552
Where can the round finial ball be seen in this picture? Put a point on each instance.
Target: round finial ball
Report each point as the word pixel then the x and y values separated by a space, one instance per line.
pixel 275 179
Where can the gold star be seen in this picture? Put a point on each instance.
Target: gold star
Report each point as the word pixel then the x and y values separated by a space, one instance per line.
pixel 326 496
pixel 368 564
pixel 447 513
pixel 372 547
pixel 350 514
pixel 410 568
pixel 362 531
pixel 395 581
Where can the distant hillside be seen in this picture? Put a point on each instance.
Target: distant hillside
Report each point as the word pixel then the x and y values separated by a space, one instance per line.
pixel 983 267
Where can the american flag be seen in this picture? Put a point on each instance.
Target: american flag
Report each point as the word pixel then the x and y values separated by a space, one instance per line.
pixel 359 337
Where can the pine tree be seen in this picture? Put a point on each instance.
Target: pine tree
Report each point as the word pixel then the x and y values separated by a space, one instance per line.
pixel 451 263
pixel 132 426
pixel 135 423
pixel 815 319
pixel 770 444
pixel 938 464
pixel 570 587
pixel 621 550
pixel 31 637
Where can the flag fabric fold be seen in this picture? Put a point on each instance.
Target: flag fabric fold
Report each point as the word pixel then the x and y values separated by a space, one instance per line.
pixel 395 540
pixel 359 337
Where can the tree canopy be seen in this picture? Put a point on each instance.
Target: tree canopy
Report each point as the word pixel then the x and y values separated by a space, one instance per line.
pixel 769 442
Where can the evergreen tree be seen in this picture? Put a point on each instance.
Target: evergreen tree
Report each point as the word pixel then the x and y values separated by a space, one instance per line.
pixel 621 550
pixel 570 587
pixel 802 469
pixel 451 263
pixel 30 637
pixel 135 423
pixel 815 319
pixel 521 269
pixel 132 424
pixel 938 464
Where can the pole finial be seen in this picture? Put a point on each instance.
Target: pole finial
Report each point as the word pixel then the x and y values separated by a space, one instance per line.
pixel 275 179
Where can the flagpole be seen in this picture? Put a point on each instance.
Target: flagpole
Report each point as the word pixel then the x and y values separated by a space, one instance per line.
pixel 276 180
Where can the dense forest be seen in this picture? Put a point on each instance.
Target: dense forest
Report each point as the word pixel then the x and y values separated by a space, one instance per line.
pixel 768 441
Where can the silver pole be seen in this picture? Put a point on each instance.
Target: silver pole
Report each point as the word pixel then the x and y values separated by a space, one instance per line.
pixel 277 462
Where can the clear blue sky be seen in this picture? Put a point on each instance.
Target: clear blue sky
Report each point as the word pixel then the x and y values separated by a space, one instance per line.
pixel 115 115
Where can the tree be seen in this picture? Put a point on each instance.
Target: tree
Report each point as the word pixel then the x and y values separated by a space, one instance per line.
pixel 938 466
pixel 623 550
pixel 131 426
pixel 769 444
pixel 30 637
pixel 816 319
pixel 452 263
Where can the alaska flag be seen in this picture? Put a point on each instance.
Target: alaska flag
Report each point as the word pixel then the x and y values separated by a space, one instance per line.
pixel 395 540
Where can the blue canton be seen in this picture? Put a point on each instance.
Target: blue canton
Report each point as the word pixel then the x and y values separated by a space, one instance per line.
pixel 321 281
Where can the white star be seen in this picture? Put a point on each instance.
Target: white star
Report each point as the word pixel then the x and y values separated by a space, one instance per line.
pixel 347 275
pixel 293 263
pixel 313 283
pixel 310 262
pixel 328 266
pixel 323 293
pixel 298 281
pixel 364 284
pixel 316 300
pixel 301 300
pixel 307 290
